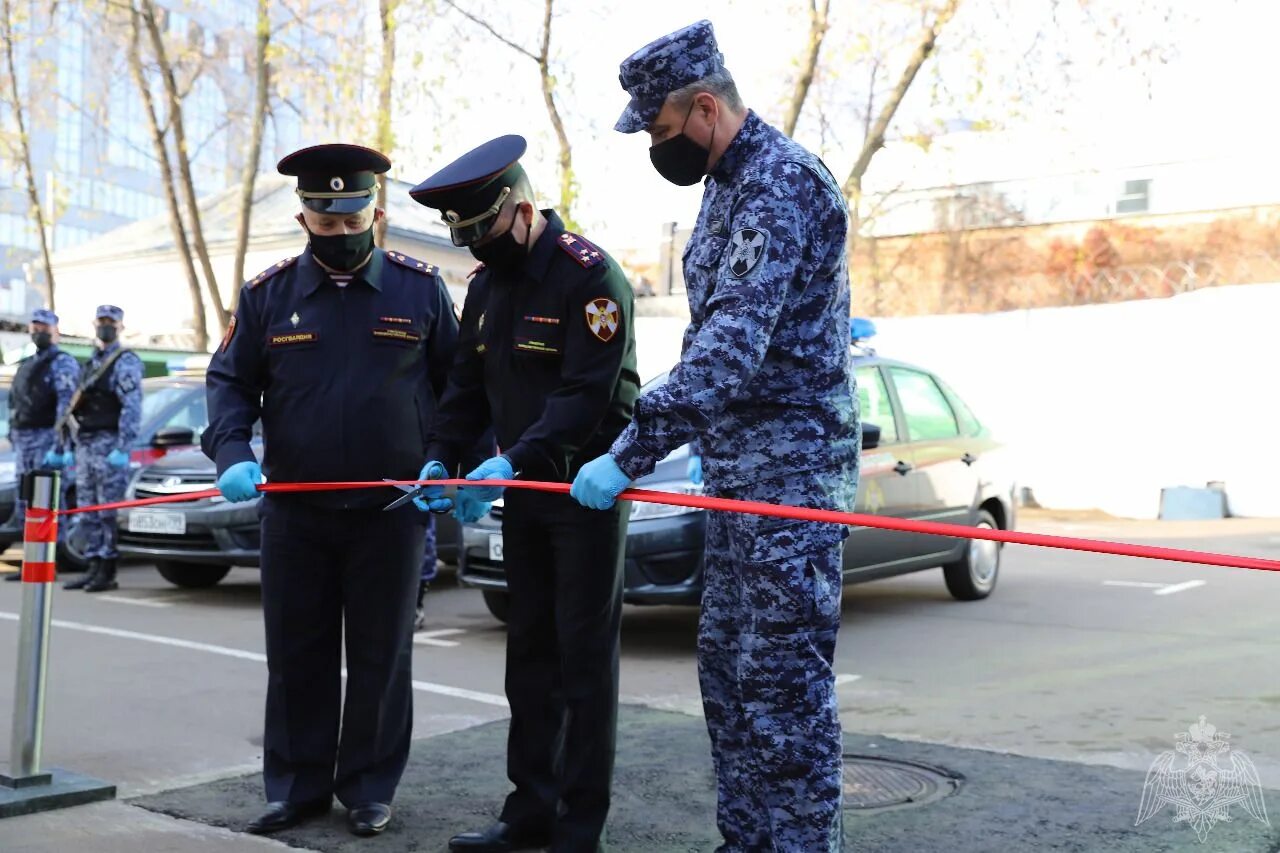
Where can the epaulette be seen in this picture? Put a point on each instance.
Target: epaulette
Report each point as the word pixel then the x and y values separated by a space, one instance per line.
pixel 270 271
pixel 413 263
pixel 581 249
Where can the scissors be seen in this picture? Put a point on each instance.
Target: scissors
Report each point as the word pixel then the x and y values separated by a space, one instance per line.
pixel 410 492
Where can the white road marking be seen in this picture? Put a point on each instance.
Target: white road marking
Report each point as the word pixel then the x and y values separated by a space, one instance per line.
pixel 241 654
pixel 1179 587
pixel 1158 588
pixel 846 678
pixel 140 602
pixel 430 638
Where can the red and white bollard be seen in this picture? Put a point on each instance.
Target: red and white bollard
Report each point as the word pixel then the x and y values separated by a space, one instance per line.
pixel 26 787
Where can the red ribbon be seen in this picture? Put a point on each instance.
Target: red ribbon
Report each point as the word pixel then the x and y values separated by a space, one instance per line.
pixel 932 528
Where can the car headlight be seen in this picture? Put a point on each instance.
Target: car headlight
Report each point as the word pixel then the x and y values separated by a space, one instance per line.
pixel 645 511
pixel 8 471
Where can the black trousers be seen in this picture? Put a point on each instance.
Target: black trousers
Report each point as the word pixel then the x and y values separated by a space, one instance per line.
pixel 564 573
pixel 327 573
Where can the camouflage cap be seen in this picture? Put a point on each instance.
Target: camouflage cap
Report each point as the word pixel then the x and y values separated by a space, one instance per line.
pixel 110 312
pixel 663 66
pixel 44 315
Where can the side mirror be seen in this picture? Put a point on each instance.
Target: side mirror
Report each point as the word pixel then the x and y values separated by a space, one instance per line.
pixel 870 436
pixel 173 437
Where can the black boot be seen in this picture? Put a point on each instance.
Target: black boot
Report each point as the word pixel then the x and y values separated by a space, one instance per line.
pixel 105 579
pixel 85 579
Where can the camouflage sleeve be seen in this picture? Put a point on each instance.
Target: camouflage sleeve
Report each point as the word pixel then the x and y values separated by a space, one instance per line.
pixel 767 256
pixel 66 376
pixel 127 378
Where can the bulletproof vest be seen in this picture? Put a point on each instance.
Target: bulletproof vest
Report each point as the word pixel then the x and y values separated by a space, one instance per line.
pixel 32 399
pixel 99 407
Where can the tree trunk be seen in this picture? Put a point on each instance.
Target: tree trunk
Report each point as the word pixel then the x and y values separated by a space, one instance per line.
pixel 875 137
pixel 166 179
pixel 24 153
pixel 262 75
pixel 186 182
pixel 818 24
pixel 384 141
pixel 568 186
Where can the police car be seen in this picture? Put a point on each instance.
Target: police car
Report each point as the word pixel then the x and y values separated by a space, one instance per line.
pixel 925 456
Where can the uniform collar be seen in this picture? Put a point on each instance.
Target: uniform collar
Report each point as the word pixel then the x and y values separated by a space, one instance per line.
pixel 748 140
pixel 107 350
pixel 543 249
pixel 312 275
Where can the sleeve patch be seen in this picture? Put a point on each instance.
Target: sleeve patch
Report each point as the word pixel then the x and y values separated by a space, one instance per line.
pixel 413 263
pixel 270 271
pixel 581 250
pixel 603 318
pixel 746 248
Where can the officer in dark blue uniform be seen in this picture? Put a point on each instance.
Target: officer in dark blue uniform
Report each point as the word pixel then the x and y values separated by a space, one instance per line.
pixel 547 357
pixel 342 352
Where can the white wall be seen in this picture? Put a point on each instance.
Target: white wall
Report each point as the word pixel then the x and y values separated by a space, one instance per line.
pixel 1104 405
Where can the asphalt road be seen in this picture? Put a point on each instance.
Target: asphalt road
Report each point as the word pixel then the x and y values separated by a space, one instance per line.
pixel 1082 658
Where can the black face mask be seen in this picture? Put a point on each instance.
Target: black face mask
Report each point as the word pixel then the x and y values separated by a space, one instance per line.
pixel 342 252
pixel 504 254
pixel 42 340
pixel 107 334
pixel 680 159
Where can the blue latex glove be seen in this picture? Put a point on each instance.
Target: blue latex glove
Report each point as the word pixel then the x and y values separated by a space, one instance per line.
pixel 54 459
pixel 497 468
pixel 118 458
pixel 694 469
pixel 432 498
pixel 240 482
pixel 470 509
pixel 599 483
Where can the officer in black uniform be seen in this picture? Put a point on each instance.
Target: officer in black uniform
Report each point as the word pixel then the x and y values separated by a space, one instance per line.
pixel 547 356
pixel 343 352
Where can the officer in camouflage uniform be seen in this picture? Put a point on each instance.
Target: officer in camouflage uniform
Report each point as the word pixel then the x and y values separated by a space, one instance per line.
pixel 38 399
pixel 109 415
pixel 765 383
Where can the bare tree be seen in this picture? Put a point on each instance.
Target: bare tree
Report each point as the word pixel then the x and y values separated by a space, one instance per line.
pixel 384 140
pixel 547 79
pixel 261 83
pixel 819 24
pixel 182 153
pixel 21 145
pixel 177 228
pixel 875 137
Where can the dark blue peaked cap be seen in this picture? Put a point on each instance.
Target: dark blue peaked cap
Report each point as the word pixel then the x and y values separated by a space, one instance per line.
pixel 469 192
pixel 335 178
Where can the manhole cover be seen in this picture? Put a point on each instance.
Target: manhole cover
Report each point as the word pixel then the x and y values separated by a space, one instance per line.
pixel 882 783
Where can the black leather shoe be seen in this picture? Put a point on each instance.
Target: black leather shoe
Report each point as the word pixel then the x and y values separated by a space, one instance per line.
pixel 283 815
pixel 87 578
pixel 369 818
pixel 499 838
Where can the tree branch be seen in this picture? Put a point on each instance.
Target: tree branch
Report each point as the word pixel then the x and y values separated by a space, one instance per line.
pixel 487 27
pixel 875 138
pixel 819 23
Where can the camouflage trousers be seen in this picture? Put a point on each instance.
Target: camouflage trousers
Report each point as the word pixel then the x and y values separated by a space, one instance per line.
pixel 766 647
pixel 30 445
pixel 97 483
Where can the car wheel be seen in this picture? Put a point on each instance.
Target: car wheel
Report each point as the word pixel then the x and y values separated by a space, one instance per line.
pixel 191 575
pixel 974 576
pixel 498 604
pixel 73 541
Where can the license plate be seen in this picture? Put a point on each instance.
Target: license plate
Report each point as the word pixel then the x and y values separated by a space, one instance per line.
pixel 495 547
pixel 157 521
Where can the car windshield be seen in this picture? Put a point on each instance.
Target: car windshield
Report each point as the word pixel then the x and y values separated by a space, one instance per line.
pixel 159 399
